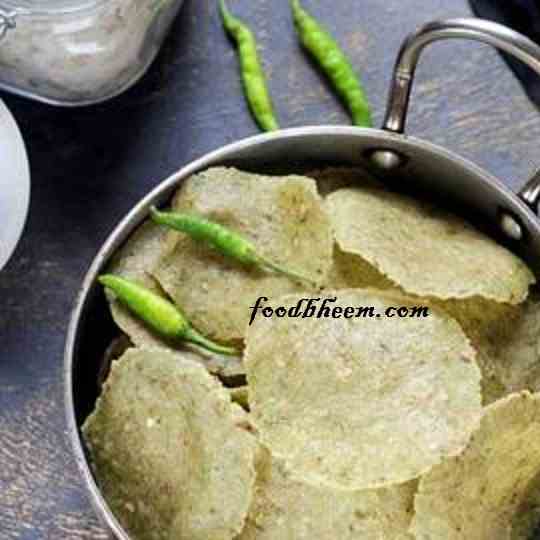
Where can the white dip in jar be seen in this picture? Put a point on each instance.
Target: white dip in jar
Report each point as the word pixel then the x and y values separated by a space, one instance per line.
pixel 77 52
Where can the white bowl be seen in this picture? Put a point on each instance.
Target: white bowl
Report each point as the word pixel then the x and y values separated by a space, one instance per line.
pixel 14 184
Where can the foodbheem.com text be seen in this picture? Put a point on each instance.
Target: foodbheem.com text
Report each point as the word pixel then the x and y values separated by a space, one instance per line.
pixel 324 308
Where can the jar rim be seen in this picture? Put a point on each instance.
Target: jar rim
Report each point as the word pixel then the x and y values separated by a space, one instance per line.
pixel 30 7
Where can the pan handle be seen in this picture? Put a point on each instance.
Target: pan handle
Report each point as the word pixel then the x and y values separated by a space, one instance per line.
pixel 494 34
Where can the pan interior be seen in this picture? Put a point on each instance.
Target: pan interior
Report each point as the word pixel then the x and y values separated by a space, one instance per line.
pixel 428 172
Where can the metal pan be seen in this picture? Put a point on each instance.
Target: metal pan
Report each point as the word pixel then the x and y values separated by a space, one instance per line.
pixel 407 163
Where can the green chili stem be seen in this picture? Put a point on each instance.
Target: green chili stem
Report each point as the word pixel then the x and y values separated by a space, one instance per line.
pixel 334 63
pixel 198 339
pixel 227 242
pixel 290 273
pixel 158 313
pixel 255 87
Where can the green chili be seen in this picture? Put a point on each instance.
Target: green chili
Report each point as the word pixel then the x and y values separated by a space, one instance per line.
pixel 227 242
pixel 158 313
pixel 255 87
pixel 335 64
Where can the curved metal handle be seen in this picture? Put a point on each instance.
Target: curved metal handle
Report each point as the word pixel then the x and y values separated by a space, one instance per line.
pixel 494 34
pixel 488 32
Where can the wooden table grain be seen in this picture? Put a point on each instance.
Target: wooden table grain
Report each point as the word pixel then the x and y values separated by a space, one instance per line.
pixel 89 166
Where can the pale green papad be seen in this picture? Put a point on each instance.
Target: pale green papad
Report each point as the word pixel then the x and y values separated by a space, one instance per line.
pixel 424 250
pixel 285 508
pixel 331 179
pixel 282 216
pixel 366 402
pixel 350 271
pixel 137 257
pixel 481 493
pixel 170 450
pixel 515 348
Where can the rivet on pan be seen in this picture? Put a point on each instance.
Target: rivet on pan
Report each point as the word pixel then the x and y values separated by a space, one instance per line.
pixel 386 159
pixel 510 226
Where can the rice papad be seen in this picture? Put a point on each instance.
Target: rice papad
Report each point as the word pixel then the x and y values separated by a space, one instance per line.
pixel 426 251
pixel 135 260
pixel 285 508
pixel 362 402
pixel 477 494
pixel 166 443
pixel 285 220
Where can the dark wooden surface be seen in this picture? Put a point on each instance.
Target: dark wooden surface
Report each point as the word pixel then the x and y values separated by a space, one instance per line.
pixel 90 166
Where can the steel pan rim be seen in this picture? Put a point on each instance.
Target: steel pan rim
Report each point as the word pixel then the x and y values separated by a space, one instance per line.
pixel 381 139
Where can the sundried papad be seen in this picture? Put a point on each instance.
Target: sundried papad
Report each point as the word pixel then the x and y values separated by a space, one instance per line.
pixel 282 216
pixel 423 249
pixel 515 348
pixel 168 449
pixel 362 402
pixel 330 179
pixel 479 494
pixel 286 509
pixel 349 271
pixel 135 260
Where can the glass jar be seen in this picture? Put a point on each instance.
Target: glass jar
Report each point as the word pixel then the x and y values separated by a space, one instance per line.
pixel 78 52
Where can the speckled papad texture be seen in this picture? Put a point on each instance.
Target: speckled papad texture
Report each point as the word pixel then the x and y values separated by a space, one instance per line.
pixel 362 402
pixel 282 216
pixel 170 449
